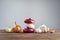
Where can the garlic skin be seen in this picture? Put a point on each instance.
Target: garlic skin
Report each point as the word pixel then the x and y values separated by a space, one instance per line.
pixel 42 28
pixel 8 29
pixel 45 30
pixel 30 25
pixel 48 29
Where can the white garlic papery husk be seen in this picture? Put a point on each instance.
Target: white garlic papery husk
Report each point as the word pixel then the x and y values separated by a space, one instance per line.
pixel 38 30
pixel 8 29
pixel 43 28
pixel 48 29
pixel 30 25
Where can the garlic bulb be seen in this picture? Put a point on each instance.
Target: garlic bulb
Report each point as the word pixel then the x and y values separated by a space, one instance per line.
pixel 44 28
pixel 8 29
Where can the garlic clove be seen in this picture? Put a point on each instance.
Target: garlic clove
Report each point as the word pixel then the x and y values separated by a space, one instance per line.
pixel 52 31
pixel 38 30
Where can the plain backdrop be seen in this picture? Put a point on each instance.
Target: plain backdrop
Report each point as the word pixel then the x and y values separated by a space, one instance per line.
pixel 42 11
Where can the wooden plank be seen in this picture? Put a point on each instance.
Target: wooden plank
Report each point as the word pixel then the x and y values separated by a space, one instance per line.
pixel 29 36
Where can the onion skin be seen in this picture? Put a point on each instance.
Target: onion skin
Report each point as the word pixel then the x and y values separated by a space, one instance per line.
pixel 17 29
pixel 28 30
pixel 29 21
pixel 30 27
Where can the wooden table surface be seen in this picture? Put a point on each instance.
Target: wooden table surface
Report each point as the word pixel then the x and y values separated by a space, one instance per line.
pixel 29 36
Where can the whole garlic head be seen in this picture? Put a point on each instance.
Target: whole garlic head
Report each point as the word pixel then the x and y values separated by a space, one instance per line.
pixel 44 28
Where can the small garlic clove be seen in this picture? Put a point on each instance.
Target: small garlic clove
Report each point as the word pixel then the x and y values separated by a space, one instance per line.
pixel 45 30
pixel 38 30
pixel 52 31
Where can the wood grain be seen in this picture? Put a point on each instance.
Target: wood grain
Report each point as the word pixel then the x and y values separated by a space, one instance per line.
pixel 29 36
